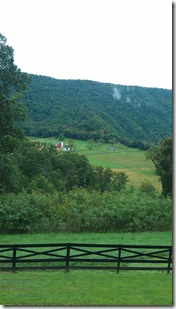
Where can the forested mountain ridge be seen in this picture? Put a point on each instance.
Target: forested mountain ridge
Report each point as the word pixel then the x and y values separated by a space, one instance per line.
pixel 86 109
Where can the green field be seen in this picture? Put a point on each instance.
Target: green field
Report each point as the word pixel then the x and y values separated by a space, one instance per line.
pixel 87 287
pixel 132 161
pixel 146 238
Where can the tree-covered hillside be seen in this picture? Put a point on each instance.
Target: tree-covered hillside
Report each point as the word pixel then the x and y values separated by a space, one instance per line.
pixel 85 109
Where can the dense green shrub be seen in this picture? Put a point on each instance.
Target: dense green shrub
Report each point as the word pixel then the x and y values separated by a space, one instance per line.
pixel 147 187
pixel 80 210
pixel 17 214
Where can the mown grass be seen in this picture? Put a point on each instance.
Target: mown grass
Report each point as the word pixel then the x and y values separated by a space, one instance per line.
pixel 87 287
pixel 83 287
pixel 132 161
pixel 145 238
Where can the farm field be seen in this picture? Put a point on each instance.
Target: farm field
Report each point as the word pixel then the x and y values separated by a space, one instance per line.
pixel 132 161
pixel 87 287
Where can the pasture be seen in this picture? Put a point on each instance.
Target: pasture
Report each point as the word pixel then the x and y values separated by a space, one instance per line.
pixel 132 161
pixel 87 287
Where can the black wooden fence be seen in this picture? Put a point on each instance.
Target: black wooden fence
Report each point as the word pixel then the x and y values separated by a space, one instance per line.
pixel 85 256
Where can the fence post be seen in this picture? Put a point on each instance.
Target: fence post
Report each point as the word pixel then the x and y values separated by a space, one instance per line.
pixel 169 260
pixel 119 256
pixel 14 258
pixel 68 257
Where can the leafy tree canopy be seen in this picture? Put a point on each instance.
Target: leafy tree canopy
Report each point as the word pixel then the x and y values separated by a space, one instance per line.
pixel 161 155
pixel 12 81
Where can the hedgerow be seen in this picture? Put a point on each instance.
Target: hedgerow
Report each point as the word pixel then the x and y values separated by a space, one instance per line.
pixel 80 210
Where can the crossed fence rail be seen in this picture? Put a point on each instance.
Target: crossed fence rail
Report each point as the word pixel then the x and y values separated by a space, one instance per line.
pixel 85 256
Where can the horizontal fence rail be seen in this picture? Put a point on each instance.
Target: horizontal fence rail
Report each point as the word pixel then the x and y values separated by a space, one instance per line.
pixel 85 256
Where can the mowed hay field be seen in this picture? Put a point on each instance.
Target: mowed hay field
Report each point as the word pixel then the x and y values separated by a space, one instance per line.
pixel 132 161
pixel 87 287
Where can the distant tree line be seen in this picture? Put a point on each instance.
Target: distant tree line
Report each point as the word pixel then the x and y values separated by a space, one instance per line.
pixel 97 136
pixel 35 166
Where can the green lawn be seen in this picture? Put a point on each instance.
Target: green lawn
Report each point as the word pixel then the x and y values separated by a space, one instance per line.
pixel 87 287
pixel 132 161
pixel 146 238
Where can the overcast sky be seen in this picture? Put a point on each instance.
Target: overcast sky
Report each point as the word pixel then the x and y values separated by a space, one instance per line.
pixel 127 42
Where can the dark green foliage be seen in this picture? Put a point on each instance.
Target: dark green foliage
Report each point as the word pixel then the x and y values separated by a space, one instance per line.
pixel 10 174
pixel 119 181
pixel 12 80
pixel 34 166
pixel 107 180
pixel 10 135
pixel 17 213
pixel 161 155
pixel 147 187
pixel 81 211
pixel 135 116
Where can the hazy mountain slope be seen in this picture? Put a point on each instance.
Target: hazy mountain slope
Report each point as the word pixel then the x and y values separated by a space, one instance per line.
pixel 86 109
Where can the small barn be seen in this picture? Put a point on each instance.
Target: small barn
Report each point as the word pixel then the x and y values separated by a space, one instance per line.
pixel 59 145
pixel 111 148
